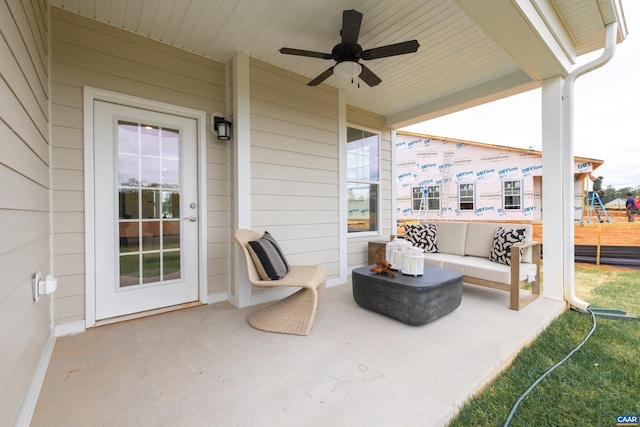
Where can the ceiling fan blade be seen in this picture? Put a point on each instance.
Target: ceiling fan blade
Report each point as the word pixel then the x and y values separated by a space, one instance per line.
pixel 309 53
pixel 351 20
pixel 367 76
pixel 390 50
pixel 322 77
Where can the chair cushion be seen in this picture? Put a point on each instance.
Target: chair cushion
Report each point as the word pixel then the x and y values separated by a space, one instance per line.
pixel 422 236
pixel 268 258
pixel 502 242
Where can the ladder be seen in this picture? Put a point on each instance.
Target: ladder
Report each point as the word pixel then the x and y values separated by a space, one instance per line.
pixel 593 204
pixel 424 203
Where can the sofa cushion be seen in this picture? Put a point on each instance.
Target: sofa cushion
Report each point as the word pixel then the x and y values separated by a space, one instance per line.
pixel 451 237
pixel 422 236
pixel 437 259
pixel 479 239
pixel 503 240
pixel 268 258
pixel 482 268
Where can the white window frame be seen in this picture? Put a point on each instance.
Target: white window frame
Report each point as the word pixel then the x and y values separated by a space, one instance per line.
pixel 429 198
pixel 378 183
pixel 505 195
pixel 473 201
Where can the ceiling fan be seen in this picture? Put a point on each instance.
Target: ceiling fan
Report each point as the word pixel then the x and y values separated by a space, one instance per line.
pixel 348 53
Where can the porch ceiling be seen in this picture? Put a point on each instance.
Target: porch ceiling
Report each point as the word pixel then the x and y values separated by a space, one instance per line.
pixel 470 52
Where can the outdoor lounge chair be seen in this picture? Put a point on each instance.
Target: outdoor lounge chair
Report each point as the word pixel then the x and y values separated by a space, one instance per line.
pixel 295 313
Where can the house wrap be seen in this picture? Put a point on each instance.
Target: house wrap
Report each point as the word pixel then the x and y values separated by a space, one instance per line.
pixel 448 179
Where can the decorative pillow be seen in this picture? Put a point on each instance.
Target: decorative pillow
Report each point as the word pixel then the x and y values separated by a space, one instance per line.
pixel 502 242
pixel 268 258
pixel 422 236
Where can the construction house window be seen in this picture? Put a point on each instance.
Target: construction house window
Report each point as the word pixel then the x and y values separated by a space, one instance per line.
pixel 512 195
pixel 466 196
pixel 425 200
pixel 363 180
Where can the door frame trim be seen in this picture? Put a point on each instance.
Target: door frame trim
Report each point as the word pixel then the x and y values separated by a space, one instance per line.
pixel 91 94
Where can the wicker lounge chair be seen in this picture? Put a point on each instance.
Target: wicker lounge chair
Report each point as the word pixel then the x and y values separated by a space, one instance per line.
pixel 295 313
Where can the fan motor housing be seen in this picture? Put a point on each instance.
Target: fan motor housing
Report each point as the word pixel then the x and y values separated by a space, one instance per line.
pixel 346 52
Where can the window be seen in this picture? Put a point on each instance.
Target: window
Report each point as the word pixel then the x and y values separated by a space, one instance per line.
pixel 432 198
pixel 363 180
pixel 512 195
pixel 466 196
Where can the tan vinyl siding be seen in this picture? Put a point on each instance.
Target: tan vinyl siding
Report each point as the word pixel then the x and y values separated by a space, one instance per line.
pixel 24 196
pixel 294 165
pixel 358 246
pixel 86 52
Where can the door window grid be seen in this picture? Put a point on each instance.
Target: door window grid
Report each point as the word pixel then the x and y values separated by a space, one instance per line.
pixel 149 195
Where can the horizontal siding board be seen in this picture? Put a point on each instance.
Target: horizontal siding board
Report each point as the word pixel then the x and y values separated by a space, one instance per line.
pixel 68 222
pixel 69 264
pixel 23 90
pixel 293 173
pixel 69 309
pixel 15 116
pixel 66 158
pixel 309 203
pixel 277 158
pixel 65 137
pixel 289 143
pixel 63 115
pixel 19 157
pixel 66 179
pixel 19 228
pixel 73 75
pixel 20 193
pixel 274 96
pixel 19 264
pixel 58 14
pixel 296 130
pixel 25 52
pixel 71 285
pixel 294 217
pixel 68 201
pixel 274 187
pixel 69 95
pixel 68 243
pixel 292 114
pixel 288 82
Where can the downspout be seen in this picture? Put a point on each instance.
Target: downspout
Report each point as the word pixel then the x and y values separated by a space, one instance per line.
pixel 567 108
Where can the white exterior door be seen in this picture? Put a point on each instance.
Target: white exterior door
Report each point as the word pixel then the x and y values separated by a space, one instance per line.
pixel 146 210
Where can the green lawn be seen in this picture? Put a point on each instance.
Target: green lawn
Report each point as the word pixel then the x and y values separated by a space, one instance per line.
pixel 595 385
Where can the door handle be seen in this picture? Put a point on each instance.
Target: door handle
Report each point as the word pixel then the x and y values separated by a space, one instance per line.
pixel 190 218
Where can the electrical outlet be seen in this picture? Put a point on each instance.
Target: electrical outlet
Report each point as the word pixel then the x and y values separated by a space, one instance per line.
pixel 35 282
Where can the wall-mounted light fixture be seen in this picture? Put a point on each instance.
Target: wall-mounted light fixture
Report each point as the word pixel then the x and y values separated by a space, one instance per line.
pixel 221 126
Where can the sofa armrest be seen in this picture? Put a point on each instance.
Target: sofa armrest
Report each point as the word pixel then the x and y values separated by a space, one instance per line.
pixel 516 303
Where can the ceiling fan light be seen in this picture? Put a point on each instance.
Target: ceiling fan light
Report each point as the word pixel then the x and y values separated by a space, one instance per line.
pixel 347 70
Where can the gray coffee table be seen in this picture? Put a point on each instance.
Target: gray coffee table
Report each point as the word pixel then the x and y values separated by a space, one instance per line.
pixel 412 300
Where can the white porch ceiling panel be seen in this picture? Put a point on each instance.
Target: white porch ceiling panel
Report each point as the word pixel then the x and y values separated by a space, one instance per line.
pixel 456 60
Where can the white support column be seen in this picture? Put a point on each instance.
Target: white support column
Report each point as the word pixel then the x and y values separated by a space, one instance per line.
pixel 342 166
pixel 241 297
pixel 556 220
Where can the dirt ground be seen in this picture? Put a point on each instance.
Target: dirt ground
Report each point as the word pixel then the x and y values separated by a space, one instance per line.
pixel 618 232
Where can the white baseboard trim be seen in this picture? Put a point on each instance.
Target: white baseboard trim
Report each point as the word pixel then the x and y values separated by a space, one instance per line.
pixel 70 328
pixel 30 399
pixel 219 296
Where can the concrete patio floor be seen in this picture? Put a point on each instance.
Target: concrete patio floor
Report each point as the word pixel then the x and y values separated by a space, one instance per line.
pixel 206 366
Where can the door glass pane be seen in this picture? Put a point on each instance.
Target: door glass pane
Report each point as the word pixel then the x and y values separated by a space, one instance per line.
pixel 129 270
pixel 171 234
pixel 148 203
pixel 151 268
pixel 171 265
